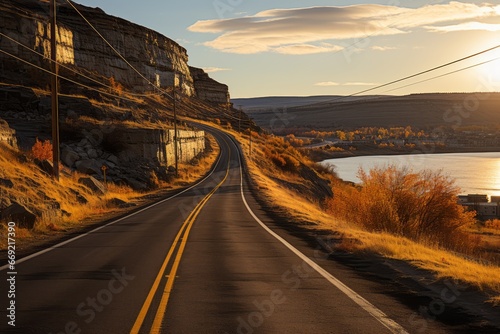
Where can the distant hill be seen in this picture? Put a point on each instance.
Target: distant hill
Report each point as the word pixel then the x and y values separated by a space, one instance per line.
pixel 269 102
pixel 416 110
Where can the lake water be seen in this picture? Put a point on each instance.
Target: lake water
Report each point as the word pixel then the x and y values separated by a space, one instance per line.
pixel 472 172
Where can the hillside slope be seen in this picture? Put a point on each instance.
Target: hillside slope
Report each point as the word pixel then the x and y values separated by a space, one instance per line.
pixel 417 110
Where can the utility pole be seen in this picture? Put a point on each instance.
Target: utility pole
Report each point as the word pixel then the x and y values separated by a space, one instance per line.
pixel 176 154
pixel 239 121
pixel 54 89
pixel 250 143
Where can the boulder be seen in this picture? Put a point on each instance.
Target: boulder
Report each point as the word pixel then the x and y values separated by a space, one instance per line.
pixel 4 203
pixel 79 197
pixel 72 115
pixel 45 165
pixel 93 184
pixel 92 153
pixel 83 142
pixel 69 157
pixel 17 213
pixel 116 202
pixel 88 166
pixel 109 164
pixel 135 184
pixel 6 183
pixel 114 159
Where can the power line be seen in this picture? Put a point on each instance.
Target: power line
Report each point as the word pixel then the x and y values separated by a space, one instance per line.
pixel 446 74
pixel 118 53
pixel 417 74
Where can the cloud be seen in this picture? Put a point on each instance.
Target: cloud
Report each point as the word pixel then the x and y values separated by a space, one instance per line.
pixel 214 69
pixel 382 48
pixel 466 26
pixel 360 84
pixel 303 30
pixel 332 83
pixel 327 84
pixel 303 49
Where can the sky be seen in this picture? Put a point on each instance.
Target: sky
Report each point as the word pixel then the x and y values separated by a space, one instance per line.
pixel 320 47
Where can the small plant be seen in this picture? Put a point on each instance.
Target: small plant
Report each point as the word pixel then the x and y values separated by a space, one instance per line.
pixel 117 87
pixel 42 150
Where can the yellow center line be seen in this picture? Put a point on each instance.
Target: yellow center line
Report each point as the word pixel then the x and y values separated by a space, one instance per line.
pixel 183 236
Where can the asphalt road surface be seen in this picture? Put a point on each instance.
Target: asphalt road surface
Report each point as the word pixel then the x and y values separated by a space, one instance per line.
pixel 207 260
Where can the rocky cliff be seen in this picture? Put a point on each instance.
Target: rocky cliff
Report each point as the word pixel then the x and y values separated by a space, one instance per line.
pixel 152 54
pixel 207 88
pixel 7 135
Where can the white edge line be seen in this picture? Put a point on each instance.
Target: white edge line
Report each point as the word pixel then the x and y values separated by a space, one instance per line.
pixel 393 326
pixel 29 257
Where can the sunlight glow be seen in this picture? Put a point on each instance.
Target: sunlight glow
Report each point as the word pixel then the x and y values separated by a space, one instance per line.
pixel 491 71
pixel 496 180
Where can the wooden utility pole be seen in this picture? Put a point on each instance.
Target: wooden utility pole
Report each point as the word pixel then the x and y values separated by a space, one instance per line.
pixel 176 154
pixel 54 88
pixel 239 121
pixel 250 143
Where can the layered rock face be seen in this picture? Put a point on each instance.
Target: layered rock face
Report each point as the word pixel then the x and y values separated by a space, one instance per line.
pixel 7 135
pixel 155 56
pixel 207 88
pixel 125 151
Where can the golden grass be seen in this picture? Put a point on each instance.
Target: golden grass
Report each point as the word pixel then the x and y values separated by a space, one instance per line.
pixel 495 301
pixel 41 194
pixel 444 264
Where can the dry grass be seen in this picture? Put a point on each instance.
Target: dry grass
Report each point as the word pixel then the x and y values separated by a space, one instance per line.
pixel 443 263
pixel 426 255
pixel 56 204
pixel 495 301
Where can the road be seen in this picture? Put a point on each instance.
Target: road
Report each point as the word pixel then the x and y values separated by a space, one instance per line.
pixel 207 260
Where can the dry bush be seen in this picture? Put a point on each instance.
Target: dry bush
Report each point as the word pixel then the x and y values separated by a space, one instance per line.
pixel 117 87
pixel 291 163
pixel 421 206
pixel 42 150
pixel 494 224
pixel 154 181
pixel 284 160
pixel 295 142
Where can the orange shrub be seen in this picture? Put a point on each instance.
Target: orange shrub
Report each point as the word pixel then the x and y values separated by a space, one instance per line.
pixel 418 205
pixel 493 224
pixel 295 142
pixel 42 150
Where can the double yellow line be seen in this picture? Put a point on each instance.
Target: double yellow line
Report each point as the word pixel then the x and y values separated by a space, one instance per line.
pixel 182 235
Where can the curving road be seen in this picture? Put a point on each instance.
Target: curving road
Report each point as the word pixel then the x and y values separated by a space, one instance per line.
pixel 206 260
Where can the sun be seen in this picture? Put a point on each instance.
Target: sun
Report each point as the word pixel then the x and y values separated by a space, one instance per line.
pixel 495 69
pixel 490 71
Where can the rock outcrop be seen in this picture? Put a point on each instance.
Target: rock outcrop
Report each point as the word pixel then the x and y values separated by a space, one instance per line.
pixel 79 47
pixel 7 135
pixel 128 155
pixel 20 215
pixel 207 88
